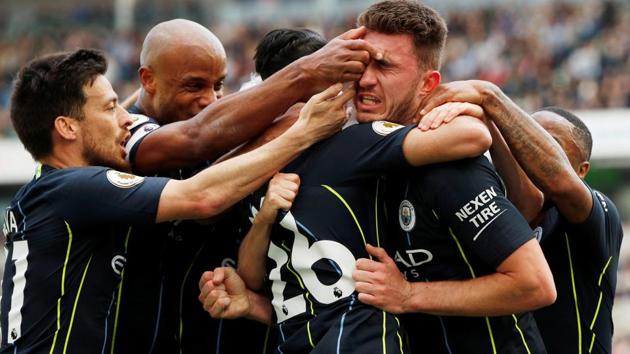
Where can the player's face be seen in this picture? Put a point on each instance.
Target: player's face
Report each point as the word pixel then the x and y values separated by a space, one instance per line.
pixel 188 82
pixel 560 129
pixel 105 128
pixel 389 88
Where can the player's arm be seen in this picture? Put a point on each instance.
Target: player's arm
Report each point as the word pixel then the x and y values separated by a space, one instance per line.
pixel 520 190
pixel 238 117
pixel 224 295
pixel 252 253
pixel 279 126
pixel 525 196
pixel 535 150
pixel 462 138
pixel 521 283
pixel 218 187
pixel 466 197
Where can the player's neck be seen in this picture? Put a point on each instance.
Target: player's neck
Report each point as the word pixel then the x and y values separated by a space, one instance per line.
pixel 64 158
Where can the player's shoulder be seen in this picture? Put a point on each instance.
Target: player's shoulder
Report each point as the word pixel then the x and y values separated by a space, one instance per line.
pixel 459 169
pixel 606 204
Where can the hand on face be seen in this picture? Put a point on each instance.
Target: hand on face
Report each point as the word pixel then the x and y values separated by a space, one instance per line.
pixel 281 193
pixel 224 294
pixel 471 91
pixel 325 113
pixel 343 59
pixel 449 111
pixel 380 283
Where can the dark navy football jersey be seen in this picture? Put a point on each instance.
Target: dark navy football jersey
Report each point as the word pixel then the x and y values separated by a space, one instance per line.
pixel 67 233
pixel 315 245
pixel 583 259
pixel 160 311
pixel 451 221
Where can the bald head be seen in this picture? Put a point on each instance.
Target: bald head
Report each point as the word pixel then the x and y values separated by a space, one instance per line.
pixel 183 66
pixel 170 36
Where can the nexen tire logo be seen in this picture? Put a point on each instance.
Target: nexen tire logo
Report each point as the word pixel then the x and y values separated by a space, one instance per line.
pixel 118 264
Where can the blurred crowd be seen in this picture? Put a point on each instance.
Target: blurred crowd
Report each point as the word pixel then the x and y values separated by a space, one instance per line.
pixel 576 55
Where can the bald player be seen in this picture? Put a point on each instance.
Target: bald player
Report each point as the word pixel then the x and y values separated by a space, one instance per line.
pixel 179 129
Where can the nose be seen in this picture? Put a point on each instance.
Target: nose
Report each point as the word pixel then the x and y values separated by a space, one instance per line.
pixel 207 98
pixel 368 79
pixel 124 119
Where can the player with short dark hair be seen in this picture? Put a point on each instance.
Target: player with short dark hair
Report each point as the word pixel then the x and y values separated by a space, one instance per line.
pixel 67 229
pixel 579 228
pixel 282 46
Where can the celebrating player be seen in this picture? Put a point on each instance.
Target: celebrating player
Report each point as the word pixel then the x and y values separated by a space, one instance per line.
pixel 67 229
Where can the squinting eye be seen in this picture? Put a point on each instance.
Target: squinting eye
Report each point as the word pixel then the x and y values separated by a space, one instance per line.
pixel 218 87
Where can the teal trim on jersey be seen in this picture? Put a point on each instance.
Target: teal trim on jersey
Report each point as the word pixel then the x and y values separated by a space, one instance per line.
pixel 378 238
pixel 521 333
pixel 181 296
pixel 120 289
pixel 38 170
pixel 472 273
pixel 266 342
pixel 299 279
pixel 575 299
pixel 310 337
pixel 599 303
pixel 354 217
pixel 384 331
pixel 74 308
pixel 400 341
pixel 63 282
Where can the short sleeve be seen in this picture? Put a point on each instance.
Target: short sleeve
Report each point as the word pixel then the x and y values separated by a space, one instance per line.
pixel 359 151
pixel 602 229
pixel 100 196
pixel 469 197
pixel 140 128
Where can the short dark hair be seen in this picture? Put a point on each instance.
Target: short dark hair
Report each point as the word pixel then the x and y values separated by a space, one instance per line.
pixel 282 46
pixel 412 17
pixel 49 87
pixel 580 131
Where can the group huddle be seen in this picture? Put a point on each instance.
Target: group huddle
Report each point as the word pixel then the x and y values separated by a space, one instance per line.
pixel 342 203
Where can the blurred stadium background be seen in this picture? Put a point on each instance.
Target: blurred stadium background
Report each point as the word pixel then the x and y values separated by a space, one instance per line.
pixel 574 54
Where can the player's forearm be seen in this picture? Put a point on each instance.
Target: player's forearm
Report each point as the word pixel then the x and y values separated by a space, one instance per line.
pixel 260 308
pixel 217 188
pixel 252 255
pixel 221 126
pixel 492 295
pixel 535 150
pixel 241 116
pixel 464 137
pixel 519 189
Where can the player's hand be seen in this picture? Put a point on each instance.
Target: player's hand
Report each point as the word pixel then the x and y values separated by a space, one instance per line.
pixel 281 193
pixel 447 112
pixel 343 59
pixel 224 294
pixel 380 283
pixel 324 114
pixel 471 91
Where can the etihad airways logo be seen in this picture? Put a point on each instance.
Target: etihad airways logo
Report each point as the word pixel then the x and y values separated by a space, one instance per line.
pixel 481 211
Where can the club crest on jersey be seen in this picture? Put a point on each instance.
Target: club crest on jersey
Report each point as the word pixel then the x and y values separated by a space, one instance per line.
pixel 382 127
pixel 406 215
pixel 123 180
